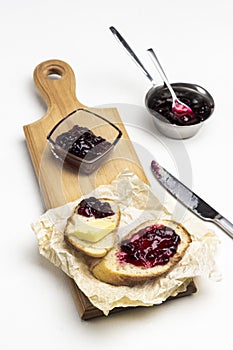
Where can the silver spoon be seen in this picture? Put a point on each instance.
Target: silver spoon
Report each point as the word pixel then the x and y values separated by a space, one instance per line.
pixel 179 108
pixel 136 60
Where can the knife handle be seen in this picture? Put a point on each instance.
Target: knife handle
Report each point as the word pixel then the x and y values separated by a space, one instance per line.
pixel 225 224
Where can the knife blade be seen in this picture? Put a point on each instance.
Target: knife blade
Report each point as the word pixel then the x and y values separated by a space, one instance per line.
pixel 189 199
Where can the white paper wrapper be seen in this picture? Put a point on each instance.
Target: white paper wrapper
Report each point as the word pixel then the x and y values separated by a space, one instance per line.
pixel 137 204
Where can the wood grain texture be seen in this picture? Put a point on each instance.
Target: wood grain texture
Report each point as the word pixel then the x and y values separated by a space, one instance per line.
pixel 59 183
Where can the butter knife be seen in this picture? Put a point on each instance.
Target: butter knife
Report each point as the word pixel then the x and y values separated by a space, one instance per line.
pixel 189 199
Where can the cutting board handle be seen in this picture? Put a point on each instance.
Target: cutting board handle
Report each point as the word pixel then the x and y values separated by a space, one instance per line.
pixel 55 80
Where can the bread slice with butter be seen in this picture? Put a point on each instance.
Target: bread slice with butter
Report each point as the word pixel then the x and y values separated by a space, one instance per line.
pixel 95 236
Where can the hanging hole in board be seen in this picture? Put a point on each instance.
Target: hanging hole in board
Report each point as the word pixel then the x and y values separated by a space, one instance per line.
pixel 54 74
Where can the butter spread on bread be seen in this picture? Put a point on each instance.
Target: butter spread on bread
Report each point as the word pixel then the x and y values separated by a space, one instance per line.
pixel 91 229
pixel 92 226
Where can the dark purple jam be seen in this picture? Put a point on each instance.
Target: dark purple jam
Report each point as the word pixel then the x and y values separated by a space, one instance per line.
pixel 83 143
pixel 160 101
pixel 93 207
pixel 150 246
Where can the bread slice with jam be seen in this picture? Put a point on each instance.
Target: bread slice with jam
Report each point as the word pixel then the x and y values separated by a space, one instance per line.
pixel 92 226
pixel 149 251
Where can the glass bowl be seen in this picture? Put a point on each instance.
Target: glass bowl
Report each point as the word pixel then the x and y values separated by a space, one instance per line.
pixel 83 139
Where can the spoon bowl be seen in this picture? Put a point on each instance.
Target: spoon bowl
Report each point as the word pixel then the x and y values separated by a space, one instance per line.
pixel 180 109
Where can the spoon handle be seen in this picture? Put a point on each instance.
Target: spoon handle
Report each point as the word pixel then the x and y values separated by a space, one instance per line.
pixel 161 71
pixel 132 54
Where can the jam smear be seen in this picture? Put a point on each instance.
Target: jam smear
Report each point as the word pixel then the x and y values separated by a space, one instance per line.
pixel 83 143
pixel 161 102
pixel 93 207
pixel 150 246
pixel 180 110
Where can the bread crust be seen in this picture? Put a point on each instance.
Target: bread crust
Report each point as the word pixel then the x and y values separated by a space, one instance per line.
pixel 110 270
pixel 98 249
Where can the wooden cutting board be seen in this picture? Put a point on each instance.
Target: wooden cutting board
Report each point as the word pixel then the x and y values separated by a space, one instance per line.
pixel 58 183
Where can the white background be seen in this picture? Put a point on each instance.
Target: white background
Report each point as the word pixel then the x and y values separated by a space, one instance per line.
pixel 193 40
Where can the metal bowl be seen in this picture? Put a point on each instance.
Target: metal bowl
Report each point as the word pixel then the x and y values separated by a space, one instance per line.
pixel 173 130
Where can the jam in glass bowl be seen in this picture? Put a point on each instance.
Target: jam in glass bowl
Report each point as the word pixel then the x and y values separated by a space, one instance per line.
pixel 83 139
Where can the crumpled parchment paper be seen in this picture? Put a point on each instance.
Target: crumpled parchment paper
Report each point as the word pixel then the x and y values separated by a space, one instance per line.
pixel 137 204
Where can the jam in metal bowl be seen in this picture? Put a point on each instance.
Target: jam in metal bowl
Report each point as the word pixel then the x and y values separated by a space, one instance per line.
pixel 159 103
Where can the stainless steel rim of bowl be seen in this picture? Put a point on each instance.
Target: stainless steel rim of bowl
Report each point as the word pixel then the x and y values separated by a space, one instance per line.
pixel 177 131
